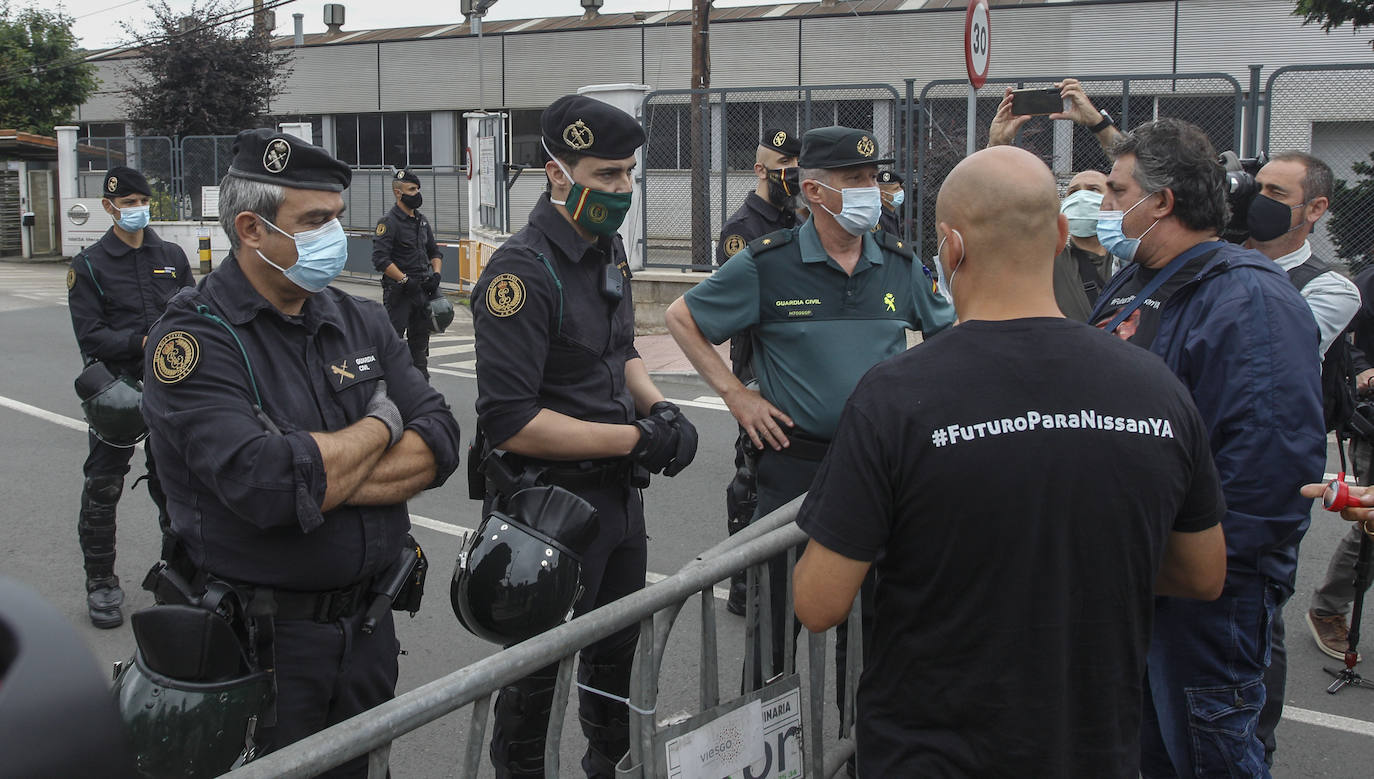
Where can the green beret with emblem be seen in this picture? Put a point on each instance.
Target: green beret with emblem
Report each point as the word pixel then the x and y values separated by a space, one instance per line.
pixel 279 158
pixel 839 147
pixel 577 124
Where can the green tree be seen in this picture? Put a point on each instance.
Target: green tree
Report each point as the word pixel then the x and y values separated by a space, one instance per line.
pixel 43 75
pixel 1331 14
pixel 1352 215
pixel 202 72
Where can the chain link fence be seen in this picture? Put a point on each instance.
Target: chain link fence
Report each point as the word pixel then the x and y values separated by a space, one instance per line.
pixel 1213 101
pixel 1328 111
pixel 445 190
pixel 204 161
pixel 154 156
pixel 700 147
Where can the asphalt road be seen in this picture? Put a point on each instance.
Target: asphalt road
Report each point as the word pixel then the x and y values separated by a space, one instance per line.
pixel 45 443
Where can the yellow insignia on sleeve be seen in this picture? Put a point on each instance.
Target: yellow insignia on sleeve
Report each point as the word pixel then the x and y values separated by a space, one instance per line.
pixel 866 147
pixel 505 295
pixel 734 244
pixel 71 278
pixel 381 229
pixel 767 241
pixel 175 357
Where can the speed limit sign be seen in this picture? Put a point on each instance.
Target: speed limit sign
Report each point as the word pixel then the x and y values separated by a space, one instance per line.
pixel 977 42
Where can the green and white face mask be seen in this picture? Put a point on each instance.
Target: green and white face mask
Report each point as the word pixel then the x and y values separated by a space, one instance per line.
pixel 599 212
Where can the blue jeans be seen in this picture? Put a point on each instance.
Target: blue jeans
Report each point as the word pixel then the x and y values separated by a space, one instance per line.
pixel 1204 683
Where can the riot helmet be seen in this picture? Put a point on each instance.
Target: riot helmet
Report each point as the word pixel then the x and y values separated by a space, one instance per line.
pixel 56 715
pixel 440 314
pixel 520 573
pixel 190 729
pixel 112 405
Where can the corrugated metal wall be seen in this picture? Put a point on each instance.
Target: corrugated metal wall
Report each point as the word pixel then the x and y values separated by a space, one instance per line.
pixel 108 102
pixel 536 67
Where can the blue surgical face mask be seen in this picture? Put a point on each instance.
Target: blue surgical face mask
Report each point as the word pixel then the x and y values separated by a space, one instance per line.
pixel 946 285
pixel 132 218
pixel 1081 208
pixel 898 198
pixel 1113 239
pixel 320 255
pixel 860 209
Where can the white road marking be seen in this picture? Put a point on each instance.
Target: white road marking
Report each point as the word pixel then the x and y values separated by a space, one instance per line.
pixel 443 351
pixel 1333 721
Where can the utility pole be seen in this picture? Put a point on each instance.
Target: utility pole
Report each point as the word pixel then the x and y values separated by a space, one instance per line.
pixel 701 132
pixel 259 18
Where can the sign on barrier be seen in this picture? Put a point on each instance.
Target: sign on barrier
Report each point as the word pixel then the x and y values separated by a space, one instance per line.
pixel 755 736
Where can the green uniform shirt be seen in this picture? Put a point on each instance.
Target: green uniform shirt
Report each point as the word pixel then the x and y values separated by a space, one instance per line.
pixel 819 329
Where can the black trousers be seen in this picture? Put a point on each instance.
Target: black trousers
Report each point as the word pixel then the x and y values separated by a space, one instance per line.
pixel 326 673
pixel 612 568
pixel 781 478
pixel 407 306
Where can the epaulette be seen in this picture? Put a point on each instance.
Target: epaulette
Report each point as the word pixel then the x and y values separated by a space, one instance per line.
pixel 771 241
pixel 894 244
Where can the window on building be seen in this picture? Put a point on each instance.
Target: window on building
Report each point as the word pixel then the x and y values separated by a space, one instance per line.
pixel 401 140
pixel 316 125
pixel 524 137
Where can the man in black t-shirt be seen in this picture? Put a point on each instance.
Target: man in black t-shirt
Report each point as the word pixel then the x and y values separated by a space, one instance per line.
pixel 1017 559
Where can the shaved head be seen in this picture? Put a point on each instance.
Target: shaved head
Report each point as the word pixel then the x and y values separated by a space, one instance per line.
pixel 1091 180
pixel 1004 202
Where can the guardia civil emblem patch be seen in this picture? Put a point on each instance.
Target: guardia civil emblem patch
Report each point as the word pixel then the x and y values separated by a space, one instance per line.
pixel 71 278
pixel 381 229
pixel 505 295
pixel 734 244
pixel 175 357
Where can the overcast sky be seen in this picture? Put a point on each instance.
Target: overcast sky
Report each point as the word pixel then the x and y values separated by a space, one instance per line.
pixel 97 21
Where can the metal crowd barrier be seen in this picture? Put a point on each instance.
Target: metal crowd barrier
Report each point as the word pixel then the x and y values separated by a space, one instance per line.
pixel 654 608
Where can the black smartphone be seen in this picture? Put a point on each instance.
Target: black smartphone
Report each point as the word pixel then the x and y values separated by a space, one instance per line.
pixel 1032 102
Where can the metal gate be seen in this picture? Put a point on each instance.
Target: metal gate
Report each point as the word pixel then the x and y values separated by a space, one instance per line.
pixel 11 240
pixel 155 156
pixel 1213 101
pixel 699 153
pixel 43 234
pixel 1328 111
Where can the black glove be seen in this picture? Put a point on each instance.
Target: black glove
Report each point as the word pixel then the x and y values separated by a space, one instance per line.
pixel 687 436
pixel 667 441
pixel 430 284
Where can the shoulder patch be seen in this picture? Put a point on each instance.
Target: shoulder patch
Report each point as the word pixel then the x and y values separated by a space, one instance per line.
pixel 734 244
pixel 505 295
pixel 71 278
pixel 771 241
pixel 381 229
pixel 894 244
pixel 176 356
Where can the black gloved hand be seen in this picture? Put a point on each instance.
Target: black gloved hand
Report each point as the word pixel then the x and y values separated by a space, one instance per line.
pixel 686 432
pixel 658 443
pixel 430 284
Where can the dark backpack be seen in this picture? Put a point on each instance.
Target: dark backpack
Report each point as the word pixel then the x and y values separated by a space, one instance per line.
pixel 1338 367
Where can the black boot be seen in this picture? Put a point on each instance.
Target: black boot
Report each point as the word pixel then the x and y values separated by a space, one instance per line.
pixel 738 589
pixel 96 530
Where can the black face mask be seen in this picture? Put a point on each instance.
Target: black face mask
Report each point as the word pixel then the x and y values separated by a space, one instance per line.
pixel 1269 219
pixel 412 201
pixel 783 183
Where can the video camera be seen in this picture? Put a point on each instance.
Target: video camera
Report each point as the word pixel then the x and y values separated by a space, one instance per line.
pixel 1241 189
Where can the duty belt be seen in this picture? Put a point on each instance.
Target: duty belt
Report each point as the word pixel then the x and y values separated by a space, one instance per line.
pixel 587 474
pixel 323 607
pixel 804 447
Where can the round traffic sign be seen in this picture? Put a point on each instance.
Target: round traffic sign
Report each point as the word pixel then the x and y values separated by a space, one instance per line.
pixel 977 42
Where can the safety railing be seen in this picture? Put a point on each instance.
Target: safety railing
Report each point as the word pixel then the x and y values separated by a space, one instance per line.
pixel 654 609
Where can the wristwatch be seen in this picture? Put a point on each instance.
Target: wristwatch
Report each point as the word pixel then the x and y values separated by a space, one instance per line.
pixel 1104 124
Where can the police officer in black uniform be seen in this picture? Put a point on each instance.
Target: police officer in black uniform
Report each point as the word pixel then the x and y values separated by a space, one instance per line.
pixel 893 192
pixel 405 253
pixel 116 290
pixel 293 428
pixel 767 209
pixel 561 392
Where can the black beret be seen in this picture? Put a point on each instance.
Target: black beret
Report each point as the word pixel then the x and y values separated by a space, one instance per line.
pixel 839 147
pixel 407 177
pixel 781 141
pixel 278 158
pixel 121 181
pixel 889 177
pixel 576 124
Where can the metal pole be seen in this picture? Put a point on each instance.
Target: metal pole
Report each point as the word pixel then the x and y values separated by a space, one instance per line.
pixel 1251 133
pixel 970 131
pixel 701 115
pixel 477 28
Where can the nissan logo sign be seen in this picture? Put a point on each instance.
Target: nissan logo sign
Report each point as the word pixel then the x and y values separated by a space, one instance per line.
pixel 78 214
